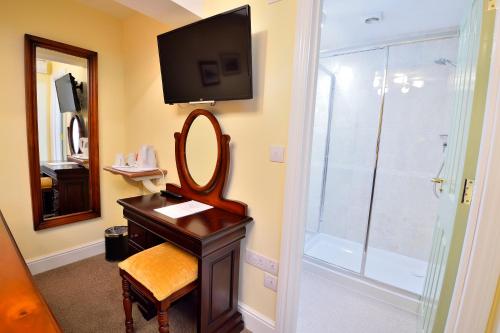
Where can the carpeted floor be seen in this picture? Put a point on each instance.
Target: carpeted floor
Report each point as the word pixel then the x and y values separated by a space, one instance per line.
pixel 86 297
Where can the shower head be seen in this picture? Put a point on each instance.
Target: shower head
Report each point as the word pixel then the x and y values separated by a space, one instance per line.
pixel 444 62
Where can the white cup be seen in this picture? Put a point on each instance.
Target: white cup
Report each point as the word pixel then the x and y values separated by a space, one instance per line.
pixel 131 161
pixel 84 146
pixel 119 160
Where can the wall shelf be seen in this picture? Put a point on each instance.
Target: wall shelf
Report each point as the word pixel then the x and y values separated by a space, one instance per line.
pixel 145 177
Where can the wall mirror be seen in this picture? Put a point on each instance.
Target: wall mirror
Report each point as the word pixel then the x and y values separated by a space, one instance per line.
pixel 61 105
pixel 201 150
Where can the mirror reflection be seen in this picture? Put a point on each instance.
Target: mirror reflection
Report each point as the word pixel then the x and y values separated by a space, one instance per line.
pixel 201 150
pixel 61 85
pixel 77 138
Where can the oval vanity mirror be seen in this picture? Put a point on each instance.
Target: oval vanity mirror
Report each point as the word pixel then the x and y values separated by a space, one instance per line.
pixel 202 157
pixel 201 151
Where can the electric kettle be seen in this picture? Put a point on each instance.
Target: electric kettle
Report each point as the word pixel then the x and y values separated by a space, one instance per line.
pixel 146 157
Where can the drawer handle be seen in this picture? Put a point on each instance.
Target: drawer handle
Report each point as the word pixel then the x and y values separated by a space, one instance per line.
pixel 134 235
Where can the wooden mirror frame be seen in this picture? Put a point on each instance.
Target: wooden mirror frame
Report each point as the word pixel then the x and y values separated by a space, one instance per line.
pixel 81 125
pixel 212 193
pixel 182 145
pixel 30 45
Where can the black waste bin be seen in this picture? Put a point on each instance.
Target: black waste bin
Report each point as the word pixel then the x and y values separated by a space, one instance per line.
pixel 115 240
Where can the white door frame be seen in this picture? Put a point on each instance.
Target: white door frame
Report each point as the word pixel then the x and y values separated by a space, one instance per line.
pixel 474 284
pixel 298 155
pixel 479 268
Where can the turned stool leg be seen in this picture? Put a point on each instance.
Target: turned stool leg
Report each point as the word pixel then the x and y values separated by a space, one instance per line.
pixel 127 306
pixel 163 318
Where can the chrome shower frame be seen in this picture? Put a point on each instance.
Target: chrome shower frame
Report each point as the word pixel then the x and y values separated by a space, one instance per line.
pixel 329 54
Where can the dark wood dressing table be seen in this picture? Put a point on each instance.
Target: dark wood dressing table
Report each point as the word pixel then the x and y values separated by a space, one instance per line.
pixel 213 236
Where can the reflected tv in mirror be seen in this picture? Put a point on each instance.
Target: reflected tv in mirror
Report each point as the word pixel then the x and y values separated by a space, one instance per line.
pixel 66 93
pixel 209 60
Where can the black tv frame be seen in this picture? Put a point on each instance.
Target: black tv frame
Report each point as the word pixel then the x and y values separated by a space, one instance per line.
pixel 249 59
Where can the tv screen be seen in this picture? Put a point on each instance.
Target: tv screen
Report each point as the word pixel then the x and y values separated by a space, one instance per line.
pixel 209 60
pixel 66 94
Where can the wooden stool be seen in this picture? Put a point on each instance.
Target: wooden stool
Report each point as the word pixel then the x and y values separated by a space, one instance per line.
pixel 163 274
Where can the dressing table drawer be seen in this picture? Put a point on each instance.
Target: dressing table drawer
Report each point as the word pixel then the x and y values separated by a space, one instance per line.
pixel 133 248
pixel 137 235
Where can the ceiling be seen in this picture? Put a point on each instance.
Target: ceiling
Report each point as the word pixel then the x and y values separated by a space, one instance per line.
pixel 175 13
pixel 343 23
pixel 110 7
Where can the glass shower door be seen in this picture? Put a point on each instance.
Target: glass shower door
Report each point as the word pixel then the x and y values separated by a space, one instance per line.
pixel 349 102
pixel 413 141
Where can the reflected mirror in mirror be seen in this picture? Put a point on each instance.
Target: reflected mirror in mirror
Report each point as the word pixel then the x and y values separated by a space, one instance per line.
pixel 62 114
pixel 76 134
pixel 201 150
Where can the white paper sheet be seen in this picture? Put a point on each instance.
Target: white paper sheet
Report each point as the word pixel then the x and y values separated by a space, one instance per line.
pixel 183 209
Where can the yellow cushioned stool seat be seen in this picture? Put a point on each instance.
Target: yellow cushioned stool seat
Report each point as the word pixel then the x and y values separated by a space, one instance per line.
pixel 162 269
pixel 46 182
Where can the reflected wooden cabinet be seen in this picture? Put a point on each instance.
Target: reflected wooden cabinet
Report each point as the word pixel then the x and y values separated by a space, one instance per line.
pixel 70 191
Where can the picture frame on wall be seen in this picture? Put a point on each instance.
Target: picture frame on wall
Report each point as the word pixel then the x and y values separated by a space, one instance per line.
pixel 209 71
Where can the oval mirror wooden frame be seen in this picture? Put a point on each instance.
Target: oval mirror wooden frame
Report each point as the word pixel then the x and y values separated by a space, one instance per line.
pixel 81 126
pixel 212 192
pixel 182 146
pixel 31 43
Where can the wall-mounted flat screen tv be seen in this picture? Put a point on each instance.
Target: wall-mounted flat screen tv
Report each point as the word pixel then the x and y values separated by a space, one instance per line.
pixel 209 60
pixel 66 93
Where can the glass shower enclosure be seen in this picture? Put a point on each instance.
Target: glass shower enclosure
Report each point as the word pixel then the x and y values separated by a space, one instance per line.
pixel 380 133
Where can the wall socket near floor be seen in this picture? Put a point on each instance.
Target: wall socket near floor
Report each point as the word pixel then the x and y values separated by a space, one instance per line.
pixel 262 262
pixel 270 281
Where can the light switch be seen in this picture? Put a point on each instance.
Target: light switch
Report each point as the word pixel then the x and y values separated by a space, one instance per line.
pixel 277 154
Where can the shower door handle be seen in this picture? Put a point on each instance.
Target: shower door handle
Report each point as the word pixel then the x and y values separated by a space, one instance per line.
pixel 437 180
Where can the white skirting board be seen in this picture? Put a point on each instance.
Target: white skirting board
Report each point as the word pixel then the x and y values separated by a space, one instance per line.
pixel 65 257
pixel 254 321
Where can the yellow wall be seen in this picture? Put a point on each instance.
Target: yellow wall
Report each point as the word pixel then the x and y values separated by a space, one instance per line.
pixel 43 82
pixel 76 24
pixel 253 125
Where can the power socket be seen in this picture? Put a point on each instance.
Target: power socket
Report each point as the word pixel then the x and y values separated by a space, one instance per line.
pixel 277 154
pixel 262 262
pixel 270 281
